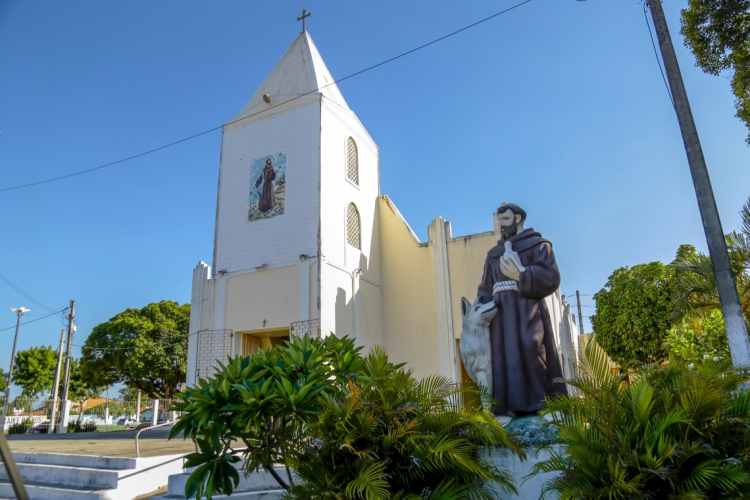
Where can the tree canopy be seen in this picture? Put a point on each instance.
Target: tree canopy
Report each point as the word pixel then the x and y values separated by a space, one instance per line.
pixel 80 388
pixel 142 348
pixel 633 313
pixel 634 310
pixel 34 370
pixel 3 380
pixel 717 32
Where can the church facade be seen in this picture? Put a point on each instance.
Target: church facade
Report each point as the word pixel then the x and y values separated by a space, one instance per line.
pixel 306 243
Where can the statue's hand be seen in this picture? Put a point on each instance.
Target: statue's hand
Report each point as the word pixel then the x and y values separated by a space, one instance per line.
pixel 509 268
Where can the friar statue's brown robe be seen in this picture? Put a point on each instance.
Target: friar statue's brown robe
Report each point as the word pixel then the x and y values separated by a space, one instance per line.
pixel 525 364
pixel 265 199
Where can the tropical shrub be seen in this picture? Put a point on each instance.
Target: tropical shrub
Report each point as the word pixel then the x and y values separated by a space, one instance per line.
pixel 261 402
pixel 395 437
pixel 672 432
pixel 351 427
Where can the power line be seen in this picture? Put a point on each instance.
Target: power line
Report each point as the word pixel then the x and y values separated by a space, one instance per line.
pixel 103 348
pixel 37 319
pixel 32 299
pixel 656 54
pixel 266 109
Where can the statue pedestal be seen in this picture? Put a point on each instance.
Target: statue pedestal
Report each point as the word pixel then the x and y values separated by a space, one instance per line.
pixel 531 489
pixel 532 430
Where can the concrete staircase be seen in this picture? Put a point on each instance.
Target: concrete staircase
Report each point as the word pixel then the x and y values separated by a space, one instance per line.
pixel 255 486
pixel 56 476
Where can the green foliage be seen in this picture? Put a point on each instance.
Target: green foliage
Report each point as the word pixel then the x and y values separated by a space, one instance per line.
pixel 80 388
pixel 3 380
pixel 671 433
pixel 351 427
pixel 263 402
pixel 34 370
pixel 633 314
pixel 115 408
pixel 694 285
pixel 142 348
pixel 21 427
pixel 391 436
pixel 700 339
pixel 128 393
pixel 82 427
pixel 717 32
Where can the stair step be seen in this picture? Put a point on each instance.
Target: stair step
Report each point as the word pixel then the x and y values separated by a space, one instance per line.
pixel 127 479
pixel 255 481
pixel 77 477
pixel 87 461
pixel 46 492
pixel 237 495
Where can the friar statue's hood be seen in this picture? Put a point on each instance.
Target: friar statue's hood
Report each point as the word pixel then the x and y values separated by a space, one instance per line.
pixel 528 238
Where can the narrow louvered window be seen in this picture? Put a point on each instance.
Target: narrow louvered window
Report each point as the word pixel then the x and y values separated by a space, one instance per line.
pixel 352 161
pixel 352 227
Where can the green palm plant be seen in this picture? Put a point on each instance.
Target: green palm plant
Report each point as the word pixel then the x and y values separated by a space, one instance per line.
pixel 670 433
pixel 395 437
pixel 694 284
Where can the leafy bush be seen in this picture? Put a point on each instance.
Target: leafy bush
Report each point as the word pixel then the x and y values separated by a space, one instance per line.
pixel 633 313
pixel 351 427
pixel 263 402
pixel 21 427
pixel 671 433
pixel 82 427
pixel 697 339
pixel 392 436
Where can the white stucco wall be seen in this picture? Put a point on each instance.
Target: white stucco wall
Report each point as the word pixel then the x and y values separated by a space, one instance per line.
pixel 241 244
pixel 342 311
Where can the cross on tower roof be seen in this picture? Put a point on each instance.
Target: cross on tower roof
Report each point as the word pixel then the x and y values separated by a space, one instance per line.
pixel 304 17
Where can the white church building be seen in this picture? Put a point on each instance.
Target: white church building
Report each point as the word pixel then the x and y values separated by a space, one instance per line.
pixel 306 243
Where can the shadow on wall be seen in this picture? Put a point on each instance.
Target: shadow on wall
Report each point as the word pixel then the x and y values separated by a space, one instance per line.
pixel 344 318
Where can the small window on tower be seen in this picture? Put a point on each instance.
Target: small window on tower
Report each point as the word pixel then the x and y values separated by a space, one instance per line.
pixel 353 236
pixel 352 161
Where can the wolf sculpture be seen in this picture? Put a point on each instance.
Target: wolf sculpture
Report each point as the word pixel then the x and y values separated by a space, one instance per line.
pixel 475 343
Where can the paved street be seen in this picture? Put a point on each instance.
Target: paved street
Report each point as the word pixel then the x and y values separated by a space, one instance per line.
pixel 112 444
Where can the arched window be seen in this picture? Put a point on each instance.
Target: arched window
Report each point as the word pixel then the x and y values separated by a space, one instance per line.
pixel 353 236
pixel 352 161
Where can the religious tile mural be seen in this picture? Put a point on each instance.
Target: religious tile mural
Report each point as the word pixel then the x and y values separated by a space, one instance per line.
pixel 267 187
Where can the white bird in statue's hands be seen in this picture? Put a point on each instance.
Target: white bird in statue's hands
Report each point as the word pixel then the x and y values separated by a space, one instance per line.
pixel 510 263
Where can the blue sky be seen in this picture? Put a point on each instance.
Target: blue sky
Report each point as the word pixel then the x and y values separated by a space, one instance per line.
pixel 558 106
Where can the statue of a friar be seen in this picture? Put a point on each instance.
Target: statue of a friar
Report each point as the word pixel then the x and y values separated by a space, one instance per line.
pixel 519 272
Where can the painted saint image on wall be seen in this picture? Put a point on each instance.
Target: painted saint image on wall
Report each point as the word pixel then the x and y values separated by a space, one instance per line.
pixel 267 187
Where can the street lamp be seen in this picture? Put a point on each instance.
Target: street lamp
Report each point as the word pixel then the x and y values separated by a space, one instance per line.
pixel 19 312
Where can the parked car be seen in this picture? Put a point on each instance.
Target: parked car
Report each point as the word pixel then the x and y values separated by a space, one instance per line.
pixel 134 424
pixel 39 429
pixel 124 421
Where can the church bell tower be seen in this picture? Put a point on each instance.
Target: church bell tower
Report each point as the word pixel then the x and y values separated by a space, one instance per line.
pixel 296 220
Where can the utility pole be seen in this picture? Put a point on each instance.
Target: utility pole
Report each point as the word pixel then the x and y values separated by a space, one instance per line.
pixel 51 427
pixel 580 314
pixel 19 312
pixel 734 320
pixel 68 355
